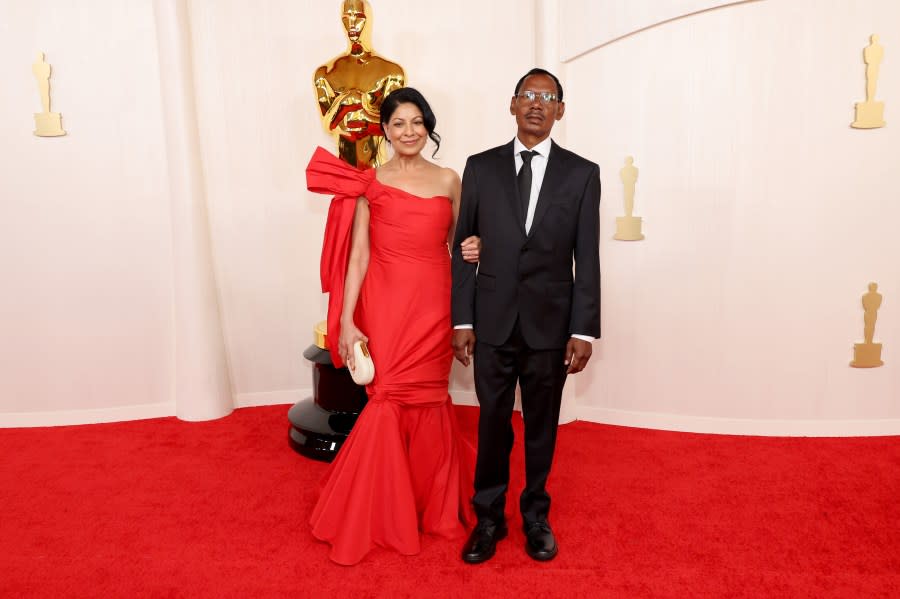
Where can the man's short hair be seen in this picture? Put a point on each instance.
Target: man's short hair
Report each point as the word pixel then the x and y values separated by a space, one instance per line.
pixel 538 71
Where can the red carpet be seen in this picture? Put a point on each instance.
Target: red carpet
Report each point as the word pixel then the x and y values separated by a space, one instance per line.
pixel 164 508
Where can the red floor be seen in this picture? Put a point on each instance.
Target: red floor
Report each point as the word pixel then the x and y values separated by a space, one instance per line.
pixel 164 508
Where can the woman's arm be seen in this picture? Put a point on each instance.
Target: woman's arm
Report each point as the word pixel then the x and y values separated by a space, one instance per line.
pixel 357 265
pixel 454 193
pixel 470 246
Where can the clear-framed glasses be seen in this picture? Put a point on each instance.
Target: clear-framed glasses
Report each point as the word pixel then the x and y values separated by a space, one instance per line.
pixel 530 96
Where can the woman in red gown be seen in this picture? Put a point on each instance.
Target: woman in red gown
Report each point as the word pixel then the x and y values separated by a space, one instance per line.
pixel 405 469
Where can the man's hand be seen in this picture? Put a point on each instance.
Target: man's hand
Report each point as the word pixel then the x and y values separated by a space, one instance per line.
pixel 464 345
pixel 578 352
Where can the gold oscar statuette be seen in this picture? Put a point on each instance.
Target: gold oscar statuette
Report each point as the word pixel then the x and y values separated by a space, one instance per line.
pixel 868 354
pixel 870 114
pixel 46 123
pixel 350 88
pixel 628 227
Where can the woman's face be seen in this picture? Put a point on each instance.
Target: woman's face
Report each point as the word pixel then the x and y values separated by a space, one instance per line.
pixel 406 130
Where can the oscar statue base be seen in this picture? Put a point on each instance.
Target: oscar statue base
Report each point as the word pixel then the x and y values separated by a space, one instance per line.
pixel 48 124
pixel 628 228
pixel 319 425
pixel 866 355
pixel 869 115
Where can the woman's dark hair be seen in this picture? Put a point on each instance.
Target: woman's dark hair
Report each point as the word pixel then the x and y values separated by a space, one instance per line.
pixel 409 95
pixel 536 71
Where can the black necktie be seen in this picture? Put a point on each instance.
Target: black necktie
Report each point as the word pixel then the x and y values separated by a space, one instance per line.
pixel 524 180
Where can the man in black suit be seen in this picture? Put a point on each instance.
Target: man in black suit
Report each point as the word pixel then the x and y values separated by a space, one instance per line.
pixel 522 315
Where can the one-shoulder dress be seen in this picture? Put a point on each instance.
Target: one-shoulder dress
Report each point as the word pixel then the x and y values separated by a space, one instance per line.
pixel 405 469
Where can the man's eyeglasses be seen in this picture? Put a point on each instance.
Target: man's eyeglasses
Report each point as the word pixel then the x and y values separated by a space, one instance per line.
pixel 530 96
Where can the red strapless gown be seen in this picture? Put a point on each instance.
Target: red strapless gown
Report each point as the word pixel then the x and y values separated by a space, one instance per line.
pixel 405 469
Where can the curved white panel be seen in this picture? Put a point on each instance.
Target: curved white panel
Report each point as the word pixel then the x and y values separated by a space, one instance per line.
pixel 765 214
pixel 588 24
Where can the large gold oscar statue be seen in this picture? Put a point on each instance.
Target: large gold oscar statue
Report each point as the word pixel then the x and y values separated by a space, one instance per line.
pixel 350 88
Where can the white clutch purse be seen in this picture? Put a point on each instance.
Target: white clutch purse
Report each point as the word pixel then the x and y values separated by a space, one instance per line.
pixel 364 368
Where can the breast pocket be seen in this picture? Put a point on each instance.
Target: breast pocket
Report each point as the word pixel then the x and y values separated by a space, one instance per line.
pixel 564 203
pixel 563 213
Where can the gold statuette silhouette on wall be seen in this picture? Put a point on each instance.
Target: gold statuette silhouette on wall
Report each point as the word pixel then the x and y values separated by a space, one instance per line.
pixel 868 354
pixel 46 123
pixel 351 87
pixel 870 114
pixel 628 227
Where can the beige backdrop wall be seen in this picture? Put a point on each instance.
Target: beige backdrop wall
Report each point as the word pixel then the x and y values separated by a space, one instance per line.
pixel 766 217
pixel 85 242
pixel 87 308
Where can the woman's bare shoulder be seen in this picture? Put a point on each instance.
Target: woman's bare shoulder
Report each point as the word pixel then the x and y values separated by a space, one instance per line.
pixel 449 181
pixel 449 177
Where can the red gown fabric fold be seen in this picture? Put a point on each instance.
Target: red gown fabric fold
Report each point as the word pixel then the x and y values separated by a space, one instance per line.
pixel 323 170
pixel 405 469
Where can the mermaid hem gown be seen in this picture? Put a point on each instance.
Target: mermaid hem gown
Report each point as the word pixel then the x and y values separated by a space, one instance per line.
pixel 405 469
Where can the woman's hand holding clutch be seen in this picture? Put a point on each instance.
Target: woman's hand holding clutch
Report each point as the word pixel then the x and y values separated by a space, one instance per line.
pixel 355 353
pixel 350 334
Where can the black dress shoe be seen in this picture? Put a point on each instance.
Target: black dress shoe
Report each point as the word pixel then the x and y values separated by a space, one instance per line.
pixel 482 542
pixel 539 541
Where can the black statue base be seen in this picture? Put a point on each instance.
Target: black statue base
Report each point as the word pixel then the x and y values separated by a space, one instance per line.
pixel 320 424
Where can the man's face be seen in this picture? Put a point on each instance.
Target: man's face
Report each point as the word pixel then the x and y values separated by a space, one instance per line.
pixel 535 118
pixel 354 18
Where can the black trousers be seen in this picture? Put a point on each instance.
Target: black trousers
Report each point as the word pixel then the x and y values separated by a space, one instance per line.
pixel 541 375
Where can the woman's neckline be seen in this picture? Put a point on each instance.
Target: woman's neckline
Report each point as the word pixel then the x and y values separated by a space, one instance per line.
pixel 409 193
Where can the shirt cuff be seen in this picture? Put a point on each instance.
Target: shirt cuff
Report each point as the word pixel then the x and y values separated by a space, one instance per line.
pixel 584 338
pixel 463 326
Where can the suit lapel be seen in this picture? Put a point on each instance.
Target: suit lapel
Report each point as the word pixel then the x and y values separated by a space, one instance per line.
pixel 507 170
pixel 553 178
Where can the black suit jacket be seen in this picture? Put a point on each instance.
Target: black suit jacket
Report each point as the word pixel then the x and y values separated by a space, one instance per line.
pixel 529 276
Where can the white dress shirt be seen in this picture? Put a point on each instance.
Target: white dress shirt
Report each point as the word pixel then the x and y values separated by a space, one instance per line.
pixel 538 168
